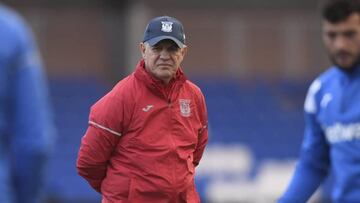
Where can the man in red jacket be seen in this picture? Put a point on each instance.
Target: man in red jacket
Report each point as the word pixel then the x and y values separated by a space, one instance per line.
pixel 146 136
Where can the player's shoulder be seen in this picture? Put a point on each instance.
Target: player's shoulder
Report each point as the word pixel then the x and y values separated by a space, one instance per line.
pixel 319 87
pixel 330 74
pixel 125 88
pixel 192 86
pixel 325 78
pixel 194 90
pixel 12 22
pixel 115 96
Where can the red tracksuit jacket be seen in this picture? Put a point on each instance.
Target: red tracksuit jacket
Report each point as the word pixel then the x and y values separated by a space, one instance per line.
pixel 144 140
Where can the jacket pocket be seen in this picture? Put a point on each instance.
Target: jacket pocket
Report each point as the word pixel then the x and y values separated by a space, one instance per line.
pixel 143 192
pixel 116 188
pixel 190 195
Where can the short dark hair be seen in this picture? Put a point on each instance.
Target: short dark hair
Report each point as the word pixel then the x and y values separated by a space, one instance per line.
pixel 335 11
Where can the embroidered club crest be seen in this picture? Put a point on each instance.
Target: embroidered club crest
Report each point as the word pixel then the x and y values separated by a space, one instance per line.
pixel 166 26
pixel 185 109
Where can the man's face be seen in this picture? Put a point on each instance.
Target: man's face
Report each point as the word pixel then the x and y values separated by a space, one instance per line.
pixel 342 41
pixel 163 59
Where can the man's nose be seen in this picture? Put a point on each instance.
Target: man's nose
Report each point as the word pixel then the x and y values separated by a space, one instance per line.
pixel 340 42
pixel 164 54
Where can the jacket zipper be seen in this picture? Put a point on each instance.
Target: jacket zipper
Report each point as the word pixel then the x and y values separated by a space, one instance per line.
pixel 173 150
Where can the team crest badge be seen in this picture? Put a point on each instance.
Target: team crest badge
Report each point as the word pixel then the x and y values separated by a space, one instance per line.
pixel 166 26
pixel 185 109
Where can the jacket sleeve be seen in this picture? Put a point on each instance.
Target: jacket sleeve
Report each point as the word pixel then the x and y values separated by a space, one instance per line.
pixel 32 126
pixel 104 131
pixel 202 131
pixel 314 160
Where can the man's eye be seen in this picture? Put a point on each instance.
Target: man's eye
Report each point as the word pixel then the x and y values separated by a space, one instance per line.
pixel 349 34
pixel 331 35
pixel 173 48
pixel 156 48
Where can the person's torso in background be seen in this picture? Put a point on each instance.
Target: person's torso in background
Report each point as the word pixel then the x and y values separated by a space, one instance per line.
pixel 339 115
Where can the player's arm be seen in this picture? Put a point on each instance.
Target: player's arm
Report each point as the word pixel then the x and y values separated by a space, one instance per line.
pixel 94 154
pixel 314 160
pixel 202 132
pixel 98 143
pixel 32 123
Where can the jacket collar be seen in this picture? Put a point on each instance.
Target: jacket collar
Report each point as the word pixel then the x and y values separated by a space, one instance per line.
pixel 354 72
pixel 156 85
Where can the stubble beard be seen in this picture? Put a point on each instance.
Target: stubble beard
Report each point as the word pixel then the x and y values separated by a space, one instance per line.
pixel 350 68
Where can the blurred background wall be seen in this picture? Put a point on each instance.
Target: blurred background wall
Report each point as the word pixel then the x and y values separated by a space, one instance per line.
pixel 249 39
pixel 253 59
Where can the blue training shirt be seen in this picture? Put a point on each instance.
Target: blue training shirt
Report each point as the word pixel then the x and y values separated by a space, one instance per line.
pixel 331 138
pixel 26 126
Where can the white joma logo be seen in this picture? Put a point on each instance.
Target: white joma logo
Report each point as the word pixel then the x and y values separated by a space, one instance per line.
pixel 147 108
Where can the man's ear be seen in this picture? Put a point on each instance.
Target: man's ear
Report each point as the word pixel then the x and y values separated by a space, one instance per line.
pixel 142 48
pixel 184 51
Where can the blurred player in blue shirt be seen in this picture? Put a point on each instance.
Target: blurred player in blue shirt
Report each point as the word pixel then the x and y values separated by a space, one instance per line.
pixel 26 126
pixel 332 112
